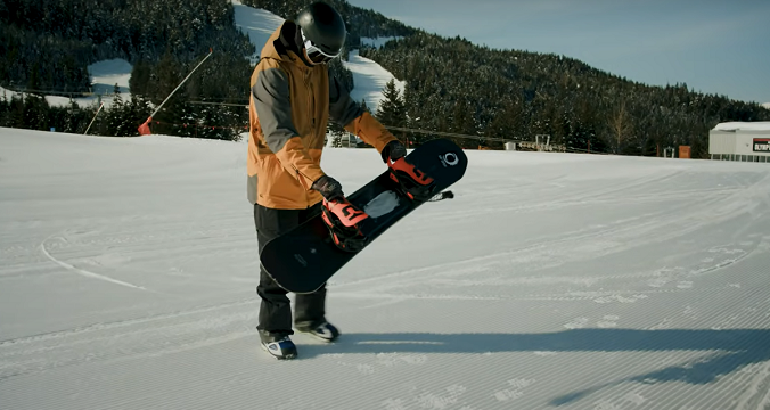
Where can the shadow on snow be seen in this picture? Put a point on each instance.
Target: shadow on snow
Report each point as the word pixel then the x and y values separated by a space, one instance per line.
pixel 732 349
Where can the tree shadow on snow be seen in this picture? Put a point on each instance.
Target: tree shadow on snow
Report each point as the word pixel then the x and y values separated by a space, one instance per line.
pixel 732 349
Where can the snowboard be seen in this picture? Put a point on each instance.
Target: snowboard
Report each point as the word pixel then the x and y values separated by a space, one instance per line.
pixel 305 258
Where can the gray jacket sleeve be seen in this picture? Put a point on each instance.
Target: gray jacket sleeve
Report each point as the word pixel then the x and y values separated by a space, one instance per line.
pixel 342 108
pixel 271 101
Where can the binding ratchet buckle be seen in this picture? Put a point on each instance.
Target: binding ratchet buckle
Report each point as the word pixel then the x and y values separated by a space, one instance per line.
pixel 413 182
pixel 342 219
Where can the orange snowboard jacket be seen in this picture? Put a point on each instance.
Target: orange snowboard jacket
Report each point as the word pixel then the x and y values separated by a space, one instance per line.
pixel 289 109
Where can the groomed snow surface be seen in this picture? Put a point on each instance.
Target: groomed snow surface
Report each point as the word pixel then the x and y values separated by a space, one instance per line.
pixel 128 270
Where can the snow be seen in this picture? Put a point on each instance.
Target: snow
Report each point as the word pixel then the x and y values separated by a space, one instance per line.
pixel 370 80
pixel 382 204
pixel 258 24
pixel 743 126
pixel 104 75
pixel 128 270
pixel 378 42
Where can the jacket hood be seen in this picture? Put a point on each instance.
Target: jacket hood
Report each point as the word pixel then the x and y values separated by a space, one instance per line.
pixel 282 44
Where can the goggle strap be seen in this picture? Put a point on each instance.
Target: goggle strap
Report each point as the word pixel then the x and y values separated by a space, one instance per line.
pixel 310 47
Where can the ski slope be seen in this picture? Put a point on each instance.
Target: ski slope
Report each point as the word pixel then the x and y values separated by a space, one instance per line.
pixel 105 74
pixel 128 270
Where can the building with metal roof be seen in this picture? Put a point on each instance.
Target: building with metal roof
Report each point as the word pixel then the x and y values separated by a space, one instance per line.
pixel 740 141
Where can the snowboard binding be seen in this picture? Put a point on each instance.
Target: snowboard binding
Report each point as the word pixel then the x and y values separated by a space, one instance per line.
pixel 342 219
pixel 411 181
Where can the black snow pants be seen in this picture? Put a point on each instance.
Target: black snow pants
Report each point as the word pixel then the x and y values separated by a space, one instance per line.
pixel 275 313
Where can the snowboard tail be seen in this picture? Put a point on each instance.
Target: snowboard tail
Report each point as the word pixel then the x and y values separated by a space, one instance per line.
pixel 303 260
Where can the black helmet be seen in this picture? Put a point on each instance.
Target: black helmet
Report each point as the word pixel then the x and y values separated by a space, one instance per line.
pixel 322 32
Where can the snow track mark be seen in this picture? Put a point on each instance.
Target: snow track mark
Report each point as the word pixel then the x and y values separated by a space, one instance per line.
pixel 83 272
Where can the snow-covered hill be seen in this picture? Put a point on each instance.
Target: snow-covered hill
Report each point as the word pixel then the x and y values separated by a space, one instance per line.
pixel 369 77
pixel 128 270
pixel 105 75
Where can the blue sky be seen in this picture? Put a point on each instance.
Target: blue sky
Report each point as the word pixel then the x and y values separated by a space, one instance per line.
pixel 714 46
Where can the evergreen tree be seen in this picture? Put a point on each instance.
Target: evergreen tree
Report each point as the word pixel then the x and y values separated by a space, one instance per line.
pixel 392 110
pixel 36 110
pixel 114 115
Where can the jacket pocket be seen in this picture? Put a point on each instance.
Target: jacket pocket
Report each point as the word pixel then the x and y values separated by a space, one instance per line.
pixel 277 186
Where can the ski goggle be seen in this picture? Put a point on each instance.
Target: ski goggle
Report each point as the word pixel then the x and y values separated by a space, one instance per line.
pixel 314 53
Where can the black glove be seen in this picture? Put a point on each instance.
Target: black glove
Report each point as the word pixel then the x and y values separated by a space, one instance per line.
pixel 329 187
pixel 394 149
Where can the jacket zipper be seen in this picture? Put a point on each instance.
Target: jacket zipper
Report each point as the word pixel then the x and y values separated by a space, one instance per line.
pixel 314 134
pixel 309 85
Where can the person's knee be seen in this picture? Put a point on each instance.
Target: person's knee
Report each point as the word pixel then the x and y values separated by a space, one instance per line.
pixel 273 292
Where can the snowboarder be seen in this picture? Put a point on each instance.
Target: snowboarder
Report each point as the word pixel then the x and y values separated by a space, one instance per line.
pixel 293 96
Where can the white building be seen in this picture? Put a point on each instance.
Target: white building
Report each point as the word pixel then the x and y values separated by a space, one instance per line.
pixel 344 139
pixel 740 141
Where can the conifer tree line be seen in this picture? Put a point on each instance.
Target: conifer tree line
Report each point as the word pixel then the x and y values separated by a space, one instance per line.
pixel 455 86
pixel 47 45
pixel 451 85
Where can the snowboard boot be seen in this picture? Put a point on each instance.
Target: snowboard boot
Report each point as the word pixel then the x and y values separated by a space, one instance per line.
pixel 278 344
pixel 324 331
